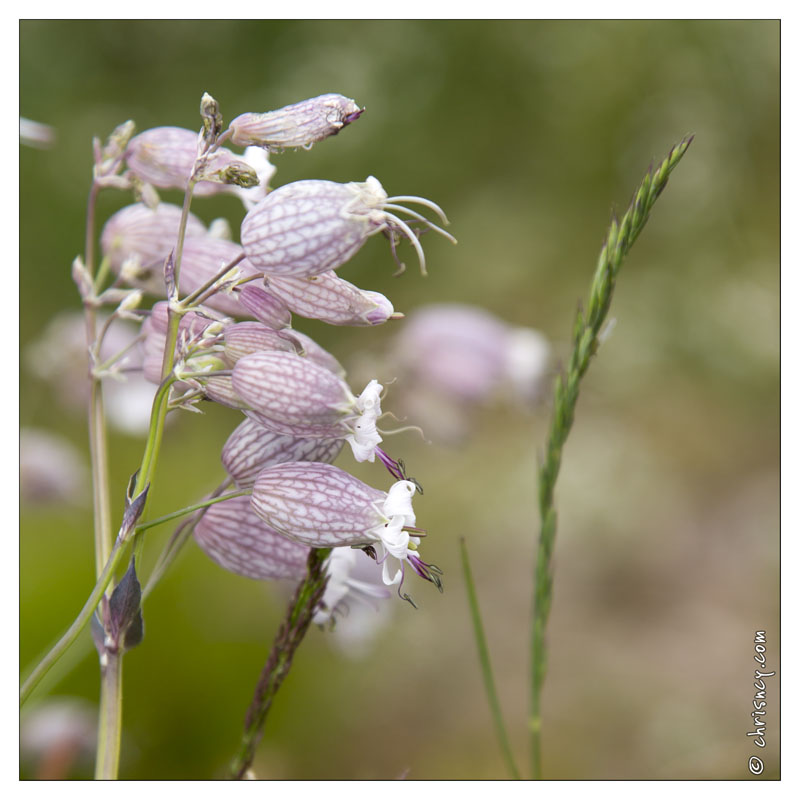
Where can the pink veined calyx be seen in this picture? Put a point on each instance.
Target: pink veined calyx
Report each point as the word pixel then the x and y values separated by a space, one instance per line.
pixel 323 506
pixel 309 227
pixel 292 395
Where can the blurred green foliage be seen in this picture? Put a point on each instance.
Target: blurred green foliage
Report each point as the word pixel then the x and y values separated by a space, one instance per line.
pixel 527 133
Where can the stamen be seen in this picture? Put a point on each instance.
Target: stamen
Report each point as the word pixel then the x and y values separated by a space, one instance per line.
pixel 401 267
pixel 407 198
pixel 420 218
pixel 412 237
pixel 393 466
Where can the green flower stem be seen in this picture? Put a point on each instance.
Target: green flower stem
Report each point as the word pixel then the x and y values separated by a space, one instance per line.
pixel 486 666
pixel 98 444
pixel 288 639
pixel 198 295
pixel 109 734
pixel 98 449
pixel 619 240
pixel 85 615
pixel 179 537
pixel 187 201
pixel 189 509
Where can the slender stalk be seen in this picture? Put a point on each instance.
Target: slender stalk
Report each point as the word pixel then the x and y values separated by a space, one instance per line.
pixel 109 734
pixel 179 537
pixel 619 240
pixel 98 445
pixel 110 687
pixel 98 449
pixel 198 295
pixel 203 504
pixel 109 731
pixel 84 617
pixel 61 646
pixel 486 666
pixel 287 640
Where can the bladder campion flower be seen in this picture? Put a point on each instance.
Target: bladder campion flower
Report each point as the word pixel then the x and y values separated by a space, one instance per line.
pixel 294 396
pixel 323 506
pixel 309 227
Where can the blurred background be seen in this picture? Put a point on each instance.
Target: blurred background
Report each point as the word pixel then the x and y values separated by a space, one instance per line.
pixel 528 134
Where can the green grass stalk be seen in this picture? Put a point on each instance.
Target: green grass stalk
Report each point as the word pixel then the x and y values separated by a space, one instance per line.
pixel 619 240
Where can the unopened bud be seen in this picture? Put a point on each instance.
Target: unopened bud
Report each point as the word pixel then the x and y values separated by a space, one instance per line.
pixel 130 302
pixel 82 278
pixel 108 158
pixel 298 125
pixel 237 173
pixel 212 119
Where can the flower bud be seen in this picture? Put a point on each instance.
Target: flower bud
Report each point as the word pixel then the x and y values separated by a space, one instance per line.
pixel 264 306
pixel 309 227
pixel 231 534
pixel 192 331
pixel 298 125
pixel 83 280
pixel 329 298
pixel 252 447
pixel 164 157
pixel 212 118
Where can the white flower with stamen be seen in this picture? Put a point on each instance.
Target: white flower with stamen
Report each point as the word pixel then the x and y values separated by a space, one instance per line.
pixel 323 506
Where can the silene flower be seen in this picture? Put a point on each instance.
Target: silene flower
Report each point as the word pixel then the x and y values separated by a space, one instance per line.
pixel 234 537
pixel 292 395
pixel 323 506
pixel 309 227
pixel 165 158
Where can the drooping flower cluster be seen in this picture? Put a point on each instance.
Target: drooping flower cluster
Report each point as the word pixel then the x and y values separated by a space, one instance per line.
pixel 224 334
